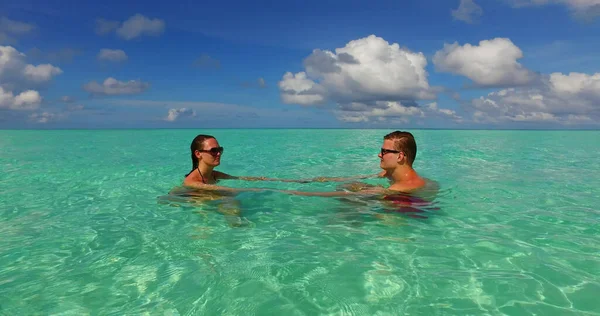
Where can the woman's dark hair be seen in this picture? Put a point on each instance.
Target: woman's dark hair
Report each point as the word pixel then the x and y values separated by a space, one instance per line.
pixel 197 144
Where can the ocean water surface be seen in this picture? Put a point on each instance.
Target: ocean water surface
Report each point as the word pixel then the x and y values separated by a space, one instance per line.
pixel 88 227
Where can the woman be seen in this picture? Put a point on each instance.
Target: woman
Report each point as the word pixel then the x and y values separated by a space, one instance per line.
pixel 206 155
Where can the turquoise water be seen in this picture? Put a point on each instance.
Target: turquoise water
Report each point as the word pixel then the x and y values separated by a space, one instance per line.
pixel 87 228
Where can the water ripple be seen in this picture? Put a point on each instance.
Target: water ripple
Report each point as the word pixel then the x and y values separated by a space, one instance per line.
pixel 89 227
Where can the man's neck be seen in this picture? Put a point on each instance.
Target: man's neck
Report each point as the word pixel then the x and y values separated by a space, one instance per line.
pixel 403 174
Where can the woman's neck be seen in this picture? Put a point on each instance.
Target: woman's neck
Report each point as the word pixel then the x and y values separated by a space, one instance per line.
pixel 206 172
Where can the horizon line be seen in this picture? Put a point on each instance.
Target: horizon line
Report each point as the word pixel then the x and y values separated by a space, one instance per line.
pixel 302 128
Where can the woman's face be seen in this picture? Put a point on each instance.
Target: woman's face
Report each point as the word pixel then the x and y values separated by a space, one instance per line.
pixel 211 153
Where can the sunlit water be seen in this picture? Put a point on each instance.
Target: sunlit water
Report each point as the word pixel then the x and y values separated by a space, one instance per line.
pixel 87 226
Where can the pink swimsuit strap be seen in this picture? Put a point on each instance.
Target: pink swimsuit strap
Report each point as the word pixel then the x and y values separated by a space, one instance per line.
pixel 404 199
pixel 406 204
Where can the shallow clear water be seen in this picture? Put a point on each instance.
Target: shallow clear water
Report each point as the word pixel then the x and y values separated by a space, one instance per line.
pixel 86 226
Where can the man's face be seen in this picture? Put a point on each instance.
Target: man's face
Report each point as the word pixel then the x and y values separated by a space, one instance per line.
pixel 389 155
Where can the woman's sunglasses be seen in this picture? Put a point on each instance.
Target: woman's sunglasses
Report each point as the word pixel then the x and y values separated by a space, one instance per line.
pixel 213 151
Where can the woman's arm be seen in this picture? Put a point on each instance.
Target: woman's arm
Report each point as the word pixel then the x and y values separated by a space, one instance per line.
pixel 371 191
pixel 225 176
pixel 363 192
pixel 342 179
pixel 212 187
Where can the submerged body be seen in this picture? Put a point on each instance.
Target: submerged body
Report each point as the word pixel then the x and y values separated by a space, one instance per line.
pixel 396 157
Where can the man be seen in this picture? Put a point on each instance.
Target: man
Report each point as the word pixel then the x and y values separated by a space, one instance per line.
pixel 397 155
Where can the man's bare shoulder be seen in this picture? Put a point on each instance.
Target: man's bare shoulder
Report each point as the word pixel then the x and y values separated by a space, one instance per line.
pixel 425 187
pixel 408 187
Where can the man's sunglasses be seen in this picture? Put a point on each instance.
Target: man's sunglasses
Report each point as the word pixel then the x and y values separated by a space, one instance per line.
pixel 387 151
pixel 213 151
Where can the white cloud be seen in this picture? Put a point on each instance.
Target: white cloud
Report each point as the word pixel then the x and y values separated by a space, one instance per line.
pixel 67 99
pixel 207 62
pixel 114 55
pixel 432 109
pixel 574 4
pixel 17 79
pixel 112 86
pixel 576 84
pixel 174 114
pixel 561 98
pixel 104 27
pixel 27 100
pixel 61 55
pixel 580 9
pixel 10 27
pixel 41 73
pixel 369 79
pixel 223 111
pixel 139 25
pixel 45 117
pixel 41 117
pixel 526 3
pixel 350 117
pixel 136 26
pixel 388 110
pixel 16 74
pixel 261 83
pixel 74 108
pixel 578 119
pixel 491 63
pixel 298 89
pixel 11 60
pixel 365 70
pixel 468 11
pixel 15 27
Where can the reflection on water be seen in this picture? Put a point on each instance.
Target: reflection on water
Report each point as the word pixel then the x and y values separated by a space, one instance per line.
pixel 385 207
pixel 223 202
pixel 510 234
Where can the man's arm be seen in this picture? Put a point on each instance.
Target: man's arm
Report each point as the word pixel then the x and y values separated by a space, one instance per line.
pixel 222 175
pixel 218 188
pixel 225 176
pixel 342 179
pixel 365 192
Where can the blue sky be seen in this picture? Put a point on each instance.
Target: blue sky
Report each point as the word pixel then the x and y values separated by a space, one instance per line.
pixel 315 64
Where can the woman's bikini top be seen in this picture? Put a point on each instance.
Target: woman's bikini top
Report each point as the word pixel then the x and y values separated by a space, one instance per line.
pixel 200 173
